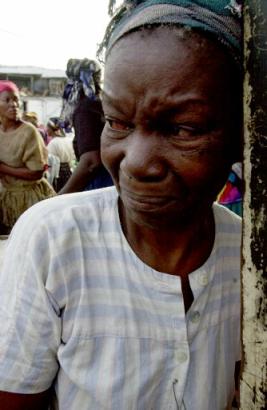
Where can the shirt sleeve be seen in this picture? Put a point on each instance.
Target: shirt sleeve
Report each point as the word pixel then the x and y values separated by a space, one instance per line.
pixel 30 328
pixel 35 152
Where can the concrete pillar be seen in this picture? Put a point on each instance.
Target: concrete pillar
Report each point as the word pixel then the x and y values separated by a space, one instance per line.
pixel 254 335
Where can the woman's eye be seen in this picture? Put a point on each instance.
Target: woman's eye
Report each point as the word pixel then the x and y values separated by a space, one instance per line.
pixel 117 125
pixel 183 131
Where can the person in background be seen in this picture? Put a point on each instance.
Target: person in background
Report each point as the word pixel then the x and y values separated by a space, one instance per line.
pixel 54 128
pixel 23 160
pixel 61 147
pixel 135 304
pixel 32 117
pixel 83 108
pixel 69 131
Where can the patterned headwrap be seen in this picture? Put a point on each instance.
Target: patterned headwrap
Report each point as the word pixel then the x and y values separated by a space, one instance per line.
pixel 54 123
pixel 8 86
pixel 83 76
pixel 220 18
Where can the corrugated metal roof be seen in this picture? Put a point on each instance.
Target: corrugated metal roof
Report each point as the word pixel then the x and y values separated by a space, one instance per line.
pixel 31 70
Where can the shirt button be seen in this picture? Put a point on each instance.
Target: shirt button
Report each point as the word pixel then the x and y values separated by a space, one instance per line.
pixel 195 316
pixel 181 357
pixel 203 279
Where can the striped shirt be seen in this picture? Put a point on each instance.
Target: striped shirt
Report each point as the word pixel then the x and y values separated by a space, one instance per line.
pixel 80 309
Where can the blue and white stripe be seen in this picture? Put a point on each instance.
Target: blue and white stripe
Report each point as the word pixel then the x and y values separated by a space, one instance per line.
pixel 79 307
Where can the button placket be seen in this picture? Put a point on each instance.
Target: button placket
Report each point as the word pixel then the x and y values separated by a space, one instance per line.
pixel 203 279
pixel 181 356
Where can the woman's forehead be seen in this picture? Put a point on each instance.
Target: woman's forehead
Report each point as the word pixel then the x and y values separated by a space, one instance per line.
pixel 192 39
pixel 164 76
pixel 164 49
pixel 9 93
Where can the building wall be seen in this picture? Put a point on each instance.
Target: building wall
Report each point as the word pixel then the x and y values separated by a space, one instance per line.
pixel 45 107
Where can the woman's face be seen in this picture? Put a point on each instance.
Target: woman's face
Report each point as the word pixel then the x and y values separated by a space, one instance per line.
pixel 9 105
pixel 168 125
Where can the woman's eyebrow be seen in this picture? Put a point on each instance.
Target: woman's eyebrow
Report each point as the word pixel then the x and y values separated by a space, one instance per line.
pixel 109 100
pixel 106 97
pixel 177 106
pixel 112 102
pixel 181 100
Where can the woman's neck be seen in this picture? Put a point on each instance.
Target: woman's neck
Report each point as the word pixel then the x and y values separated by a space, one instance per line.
pixel 177 251
pixel 9 125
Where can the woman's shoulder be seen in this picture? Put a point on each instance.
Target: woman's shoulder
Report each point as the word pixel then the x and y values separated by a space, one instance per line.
pixel 27 126
pixel 70 210
pixel 21 127
pixel 57 142
pixel 28 130
pixel 226 219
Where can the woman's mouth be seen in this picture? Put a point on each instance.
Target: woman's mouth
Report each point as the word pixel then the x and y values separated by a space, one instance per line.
pixel 14 112
pixel 145 202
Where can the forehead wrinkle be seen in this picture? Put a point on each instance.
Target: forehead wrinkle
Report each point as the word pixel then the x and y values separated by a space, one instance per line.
pixel 142 96
pixel 174 104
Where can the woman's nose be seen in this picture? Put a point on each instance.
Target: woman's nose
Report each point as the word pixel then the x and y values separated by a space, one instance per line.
pixel 143 159
pixel 13 103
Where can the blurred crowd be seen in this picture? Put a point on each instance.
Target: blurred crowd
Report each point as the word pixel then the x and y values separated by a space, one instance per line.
pixel 38 161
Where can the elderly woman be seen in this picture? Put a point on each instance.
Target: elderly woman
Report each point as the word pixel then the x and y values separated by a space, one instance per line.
pixel 23 160
pixel 136 302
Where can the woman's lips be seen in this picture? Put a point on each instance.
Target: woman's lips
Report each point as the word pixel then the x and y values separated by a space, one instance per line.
pixel 145 202
pixel 14 112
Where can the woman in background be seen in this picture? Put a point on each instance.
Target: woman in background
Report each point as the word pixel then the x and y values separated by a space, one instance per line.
pixel 83 109
pixel 23 160
pixel 62 148
pixel 32 117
